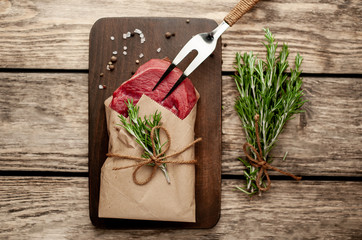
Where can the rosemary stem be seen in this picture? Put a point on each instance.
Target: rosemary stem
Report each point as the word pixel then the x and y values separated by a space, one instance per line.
pixel 164 170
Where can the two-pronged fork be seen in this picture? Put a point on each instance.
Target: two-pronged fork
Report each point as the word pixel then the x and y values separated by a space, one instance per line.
pixel 205 43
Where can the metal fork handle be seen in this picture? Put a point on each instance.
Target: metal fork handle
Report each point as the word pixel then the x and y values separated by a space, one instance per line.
pixel 239 10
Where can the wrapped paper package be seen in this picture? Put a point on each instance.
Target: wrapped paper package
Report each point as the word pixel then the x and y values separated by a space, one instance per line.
pixel 157 200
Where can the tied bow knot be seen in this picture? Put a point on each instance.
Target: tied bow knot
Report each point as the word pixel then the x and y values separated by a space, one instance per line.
pixel 155 159
pixel 259 161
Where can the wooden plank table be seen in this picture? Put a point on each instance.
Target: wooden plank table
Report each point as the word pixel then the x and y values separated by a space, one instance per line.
pixel 44 120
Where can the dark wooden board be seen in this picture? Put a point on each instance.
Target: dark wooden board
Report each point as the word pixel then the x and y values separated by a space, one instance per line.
pixel 207 80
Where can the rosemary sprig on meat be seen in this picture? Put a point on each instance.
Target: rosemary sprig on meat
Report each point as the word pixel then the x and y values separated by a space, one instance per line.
pixel 141 130
pixel 265 88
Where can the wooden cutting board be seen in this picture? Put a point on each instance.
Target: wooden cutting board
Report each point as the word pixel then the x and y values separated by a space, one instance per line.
pixel 207 80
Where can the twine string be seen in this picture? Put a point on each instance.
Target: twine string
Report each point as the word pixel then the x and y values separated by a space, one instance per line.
pixel 259 162
pixel 155 159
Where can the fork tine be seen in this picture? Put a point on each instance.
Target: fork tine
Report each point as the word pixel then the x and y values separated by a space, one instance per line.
pixel 189 46
pixel 180 56
pixel 179 81
pixel 169 69
pixel 193 65
pixel 200 57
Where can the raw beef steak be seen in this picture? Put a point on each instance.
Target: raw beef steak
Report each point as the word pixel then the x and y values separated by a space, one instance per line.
pixel 180 102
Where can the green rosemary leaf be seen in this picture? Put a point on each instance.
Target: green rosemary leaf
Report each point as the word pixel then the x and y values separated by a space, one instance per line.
pixel 285 156
pixel 265 88
pixel 246 163
pixel 243 190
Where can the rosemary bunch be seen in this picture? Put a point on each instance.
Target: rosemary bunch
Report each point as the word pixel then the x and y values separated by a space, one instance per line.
pixel 266 89
pixel 141 130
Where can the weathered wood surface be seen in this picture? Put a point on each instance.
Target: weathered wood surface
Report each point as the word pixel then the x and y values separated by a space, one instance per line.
pixel 54 34
pixel 44 120
pixel 57 208
pixel 44 124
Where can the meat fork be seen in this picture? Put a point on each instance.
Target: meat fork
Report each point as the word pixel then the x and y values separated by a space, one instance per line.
pixel 205 43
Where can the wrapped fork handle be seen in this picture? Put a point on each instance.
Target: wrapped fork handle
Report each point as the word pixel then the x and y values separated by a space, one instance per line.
pixel 239 10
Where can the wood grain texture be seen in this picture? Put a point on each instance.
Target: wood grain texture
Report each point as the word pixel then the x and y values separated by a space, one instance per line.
pixel 57 208
pixel 43 121
pixel 55 33
pixel 207 80
pixel 324 141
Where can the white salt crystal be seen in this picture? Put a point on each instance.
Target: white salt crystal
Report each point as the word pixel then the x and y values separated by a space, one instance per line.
pixel 158 50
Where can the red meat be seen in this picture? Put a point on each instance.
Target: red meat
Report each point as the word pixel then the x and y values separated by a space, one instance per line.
pixel 180 102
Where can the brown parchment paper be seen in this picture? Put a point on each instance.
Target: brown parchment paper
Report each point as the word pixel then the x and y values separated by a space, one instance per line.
pixel 157 200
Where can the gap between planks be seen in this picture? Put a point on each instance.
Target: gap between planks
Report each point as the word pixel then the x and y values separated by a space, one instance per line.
pixel 223 176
